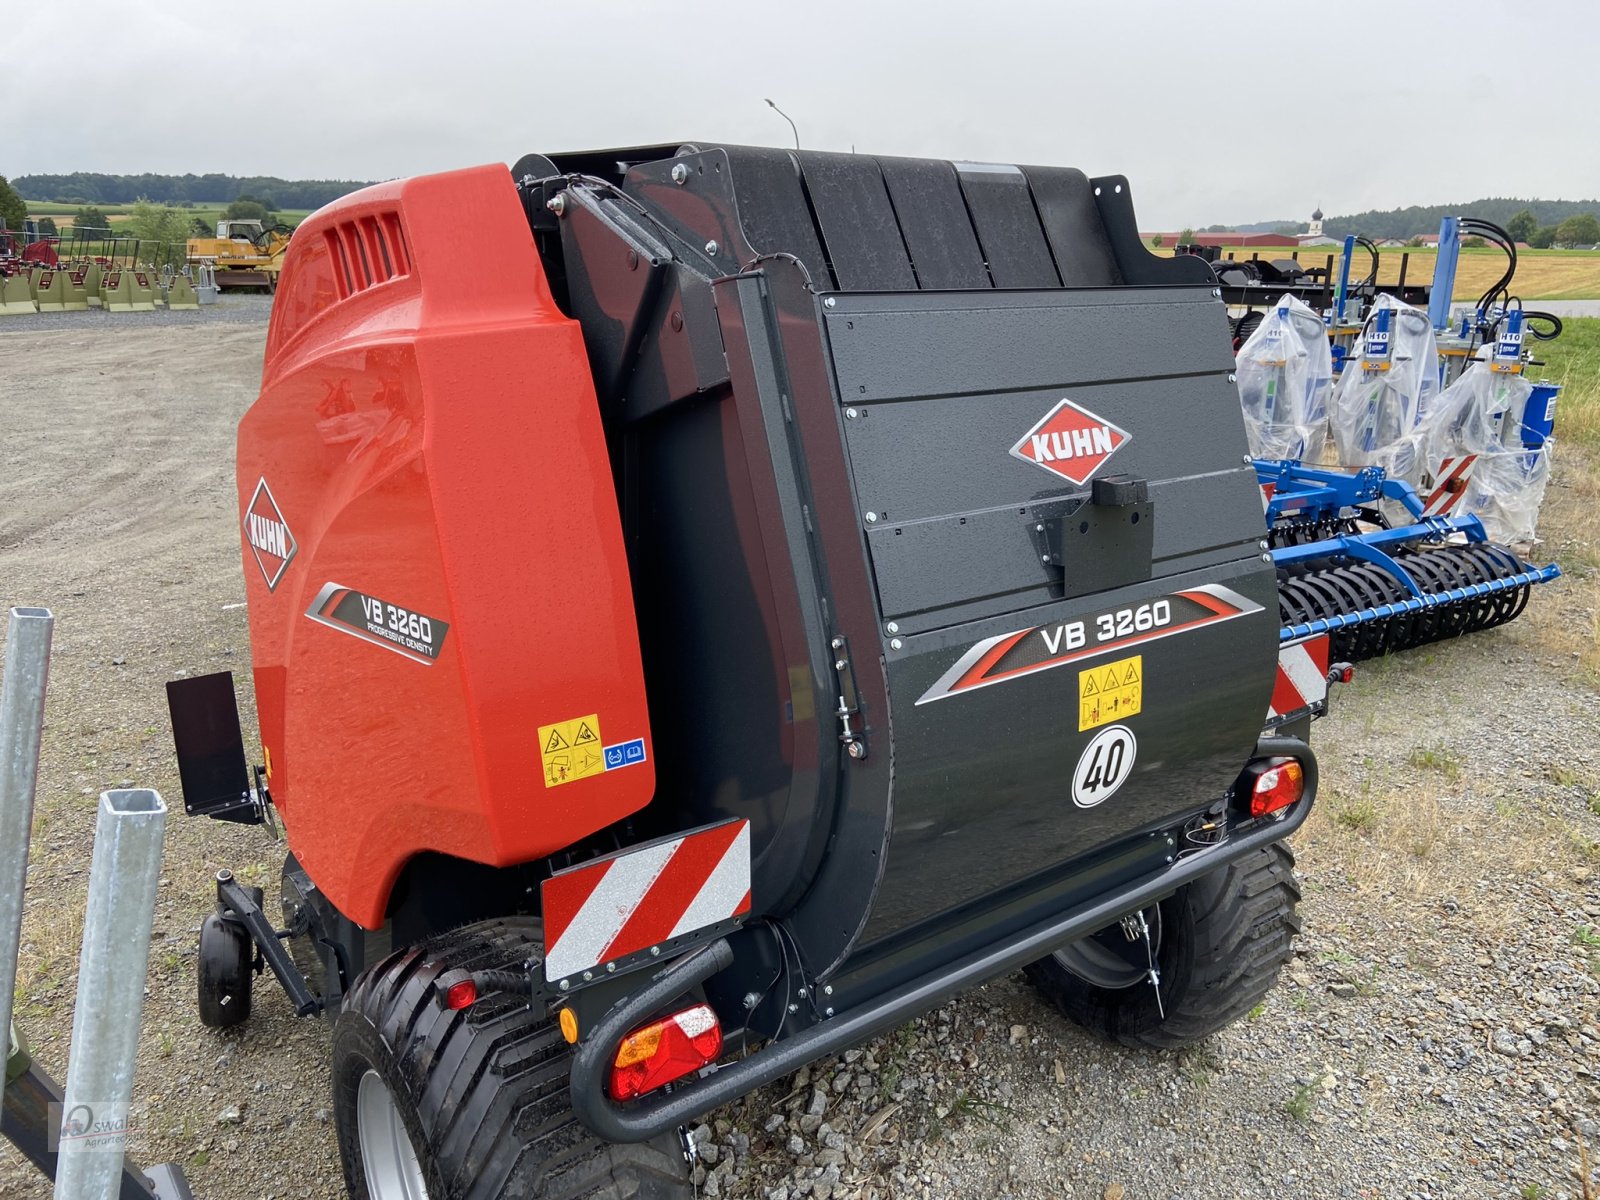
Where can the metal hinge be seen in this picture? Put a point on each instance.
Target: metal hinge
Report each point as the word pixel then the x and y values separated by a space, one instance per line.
pixel 849 704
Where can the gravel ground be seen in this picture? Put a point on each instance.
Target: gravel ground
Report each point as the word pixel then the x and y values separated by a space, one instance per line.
pixel 238 308
pixel 1436 1036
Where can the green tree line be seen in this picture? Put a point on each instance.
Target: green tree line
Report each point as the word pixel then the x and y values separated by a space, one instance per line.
pixel 1417 219
pixel 87 187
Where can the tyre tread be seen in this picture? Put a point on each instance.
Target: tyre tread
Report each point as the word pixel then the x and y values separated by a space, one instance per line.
pixel 488 1084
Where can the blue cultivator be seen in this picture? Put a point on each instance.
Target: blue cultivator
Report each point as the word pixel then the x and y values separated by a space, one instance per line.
pixel 1345 570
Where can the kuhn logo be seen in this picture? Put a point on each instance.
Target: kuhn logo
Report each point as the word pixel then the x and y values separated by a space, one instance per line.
pixel 267 534
pixel 1072 442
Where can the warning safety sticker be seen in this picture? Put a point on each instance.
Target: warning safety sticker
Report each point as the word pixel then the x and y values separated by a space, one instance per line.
pixel 1110 692
pixel 571 750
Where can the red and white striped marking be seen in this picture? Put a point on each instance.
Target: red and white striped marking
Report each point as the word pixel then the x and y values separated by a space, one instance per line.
pixel 1302 678
pixel 1448 485
pixel 638 898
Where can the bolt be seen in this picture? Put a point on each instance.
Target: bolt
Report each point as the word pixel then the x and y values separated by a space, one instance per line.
pixel 802 993
pixel 837 643
pixel 557 203
pixel 680 173
pixel 566 984
pixel 1216 291
pixel 872 518
pixel 1262 546
pixel 1044 558
pixel 893 627
pixel 895 643
pixel 655 951
pixel 712 248
pixel 1232 378
pixel 1266 558
pixel 830 302
pixel 611 968
pixel 1038 528
pixel 857 750
pixel 1248 460
pixel 1169 858
pixel 828 991
pixel 851 414
pixel 676 322
pixel 587 975
pixel 751 999
pixel 794 1008
pixel 827 1012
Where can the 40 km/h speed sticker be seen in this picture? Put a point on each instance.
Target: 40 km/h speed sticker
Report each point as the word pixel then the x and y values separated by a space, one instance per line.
pixel 1104 765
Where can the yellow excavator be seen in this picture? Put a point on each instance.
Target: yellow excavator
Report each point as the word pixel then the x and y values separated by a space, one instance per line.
pixel 246 254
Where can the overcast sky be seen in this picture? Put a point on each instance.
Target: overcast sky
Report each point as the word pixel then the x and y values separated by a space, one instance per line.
pixel 1219 112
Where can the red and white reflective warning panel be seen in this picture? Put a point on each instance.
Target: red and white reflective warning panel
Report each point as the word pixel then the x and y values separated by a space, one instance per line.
pixel 616 906
pixel 1072 442
pixel 1302 678
pixel 1448 485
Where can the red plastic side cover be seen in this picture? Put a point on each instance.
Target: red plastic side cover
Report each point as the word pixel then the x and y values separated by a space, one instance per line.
pixel 446 656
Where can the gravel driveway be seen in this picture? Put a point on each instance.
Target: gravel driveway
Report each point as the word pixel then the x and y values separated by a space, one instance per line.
pixel 1436 1036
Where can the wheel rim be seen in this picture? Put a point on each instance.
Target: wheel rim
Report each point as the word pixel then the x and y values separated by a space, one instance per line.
pixel 387 1156
pixel 1109 959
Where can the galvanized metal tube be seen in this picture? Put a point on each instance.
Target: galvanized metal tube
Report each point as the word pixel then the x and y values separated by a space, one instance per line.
pixel 111 971
pixel 21 722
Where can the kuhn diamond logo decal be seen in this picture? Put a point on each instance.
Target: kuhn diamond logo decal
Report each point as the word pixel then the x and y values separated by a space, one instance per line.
pixel 1072 442
pixel 267 534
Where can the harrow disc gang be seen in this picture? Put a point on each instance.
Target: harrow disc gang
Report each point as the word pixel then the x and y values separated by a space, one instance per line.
pixel 1346 587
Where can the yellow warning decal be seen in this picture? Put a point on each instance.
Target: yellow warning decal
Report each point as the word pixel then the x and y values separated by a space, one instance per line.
pixel 1110 692
pixel 571 750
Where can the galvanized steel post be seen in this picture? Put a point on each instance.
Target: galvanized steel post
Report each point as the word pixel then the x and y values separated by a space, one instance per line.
pixel 21 722
pixel 111 972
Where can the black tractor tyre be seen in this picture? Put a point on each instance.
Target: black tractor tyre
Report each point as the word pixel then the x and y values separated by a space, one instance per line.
pixel 1223 940
pixel 225 972
pixel 472 1105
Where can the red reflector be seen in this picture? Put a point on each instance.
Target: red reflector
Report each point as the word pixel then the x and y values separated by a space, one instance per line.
pixel 1345 672
pixel 1279 786
pixel 461 995
pixel 664 1051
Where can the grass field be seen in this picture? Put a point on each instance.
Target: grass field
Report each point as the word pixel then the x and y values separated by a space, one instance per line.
pixel 63 214
pixel 1541 274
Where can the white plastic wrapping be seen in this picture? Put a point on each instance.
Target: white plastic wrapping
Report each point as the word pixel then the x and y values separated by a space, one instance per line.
pixel 1481 411
pixel 1480 416
pixel 1505 491
pixel 1380 416
pixel 1285 375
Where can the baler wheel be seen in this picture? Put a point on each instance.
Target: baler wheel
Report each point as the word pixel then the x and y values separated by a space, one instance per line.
pixel 1223 940
pixel 226 970
pixel 435 1104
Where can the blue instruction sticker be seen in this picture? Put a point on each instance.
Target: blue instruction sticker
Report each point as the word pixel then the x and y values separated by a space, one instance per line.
pixel 625 754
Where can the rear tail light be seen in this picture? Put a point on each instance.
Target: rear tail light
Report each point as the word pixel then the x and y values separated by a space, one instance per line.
pixel 1280 785
pixel 665 1050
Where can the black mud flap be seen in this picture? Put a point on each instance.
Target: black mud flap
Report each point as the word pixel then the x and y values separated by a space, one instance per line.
pixel 210 746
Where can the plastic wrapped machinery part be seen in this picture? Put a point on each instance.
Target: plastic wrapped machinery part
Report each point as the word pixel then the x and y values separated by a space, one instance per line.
pixel 1383 403
pixel 1479 413
pixel 1480 416
pixel 1506 490
pixel 1285 373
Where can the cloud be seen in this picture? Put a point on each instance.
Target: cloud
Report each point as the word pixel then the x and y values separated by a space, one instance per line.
pixel 1230 111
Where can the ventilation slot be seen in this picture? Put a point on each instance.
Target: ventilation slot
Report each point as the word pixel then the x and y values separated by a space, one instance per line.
pixel 367 251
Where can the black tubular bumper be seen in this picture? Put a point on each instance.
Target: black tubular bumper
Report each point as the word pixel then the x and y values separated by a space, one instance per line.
pixel 647 1118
